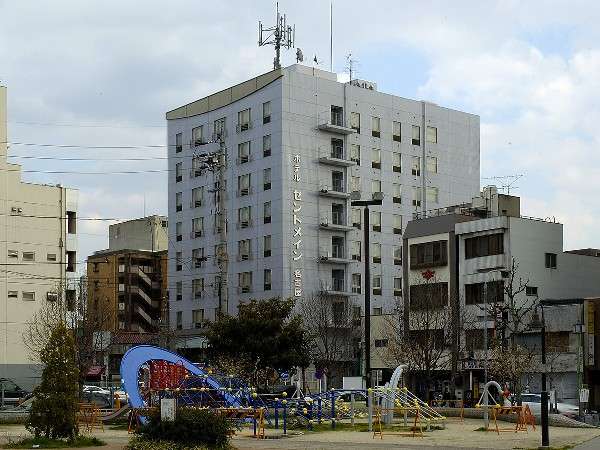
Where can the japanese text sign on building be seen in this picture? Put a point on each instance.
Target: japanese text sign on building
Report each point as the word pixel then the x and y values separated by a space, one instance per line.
pixel 296 228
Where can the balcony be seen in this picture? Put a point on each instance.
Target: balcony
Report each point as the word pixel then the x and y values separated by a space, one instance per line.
pixel 247 256
pixel 333 225
pixel 337 288
pixel 139 311
pixel 336 157
pixel 244 289
pixel 141 294
pixel 328 257
pixel 336 192
pixel 335 125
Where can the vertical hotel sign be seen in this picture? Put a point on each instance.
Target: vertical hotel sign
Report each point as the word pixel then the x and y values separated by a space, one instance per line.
pixel 590 329
pixel 296 228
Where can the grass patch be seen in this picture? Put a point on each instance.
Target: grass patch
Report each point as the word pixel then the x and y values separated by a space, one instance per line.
pixel 363 427
pixel 119 426
pixel 79 441
pixel 139 443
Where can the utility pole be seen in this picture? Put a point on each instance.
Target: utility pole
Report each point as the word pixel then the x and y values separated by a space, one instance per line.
pixel 280 35
pixel 223 260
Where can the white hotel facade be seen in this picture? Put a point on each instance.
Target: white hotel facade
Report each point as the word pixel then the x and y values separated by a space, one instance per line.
pixel 298 142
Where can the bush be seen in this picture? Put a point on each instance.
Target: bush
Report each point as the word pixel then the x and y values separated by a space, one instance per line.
pixel 139 443
pixel 191 427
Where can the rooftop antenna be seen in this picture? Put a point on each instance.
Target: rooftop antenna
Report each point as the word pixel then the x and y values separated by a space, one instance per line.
pixel 280 35
pixel 331 36
pixel 351 64
pixel 506 181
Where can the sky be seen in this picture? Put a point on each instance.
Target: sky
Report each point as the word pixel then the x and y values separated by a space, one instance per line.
pixel 104 73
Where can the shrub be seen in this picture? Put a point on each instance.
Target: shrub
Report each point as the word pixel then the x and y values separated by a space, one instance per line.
pixel 191 427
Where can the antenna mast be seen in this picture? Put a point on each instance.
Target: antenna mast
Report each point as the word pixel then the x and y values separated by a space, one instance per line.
pixel 506 181
pixel 280 35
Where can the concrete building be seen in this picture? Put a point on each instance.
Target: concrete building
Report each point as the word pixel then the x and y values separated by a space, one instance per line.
pixel 487 249
pixel 297 143
pixel 128 284
pixel 38 256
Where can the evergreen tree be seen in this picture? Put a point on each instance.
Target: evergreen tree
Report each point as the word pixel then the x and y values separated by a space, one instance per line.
pixel 54 409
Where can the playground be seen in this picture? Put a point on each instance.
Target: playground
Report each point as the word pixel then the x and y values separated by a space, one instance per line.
pixel 158 381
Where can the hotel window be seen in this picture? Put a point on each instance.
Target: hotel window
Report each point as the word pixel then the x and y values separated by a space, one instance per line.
pixel 178 201
pixel 197 227
pixel 356 218
pixel 267 246
pixel 13 294
pixel 178 261
pixel 375 187
pixel 397 224
pixel 432 195
pixel 530 291
pixel 267 212
pixel 178 142
pixel 376 220
pixel 266 179
pixel 397 286
pixel 198 318
pixel 198 257
pixel 197 287
pixel 337 181
pixel 28 256
pixel 416 165
pixel 179 320
pixel 244 120
pixel 355 249
pixel 243 152
pixel 355 121
pixel 378 311
pixel 376 253
pixel 244 217
pixel 376 158
pixel 550 260
pixel 198 166
pixel 354 183
pixel 338 215
pixel 245 282
pixel 219 129
pixel 355 153
pixel 356 283
pixel 397 193
pixel 179 291
pixel 376 283
pixel 52 257
pixel 397 132
pixel 178 172
pixel 178 231
pixel 337 149
pixel 375 127
pixel 244 252
pixel 432 166
pixel 244 182
pixel 397 250
pixel 266 112
pixel 266 145
pixel 429 254
pixel 397 162
pixel 267 280
pixel 416 135
pixel 416 200
pixel 28 296
pixel 431 135
pixel 197 196
pixel 380 343
pixel 13 254
pixel 198 135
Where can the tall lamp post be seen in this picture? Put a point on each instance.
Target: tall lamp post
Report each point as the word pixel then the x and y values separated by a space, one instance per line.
pixel 540 324
pixel 377 200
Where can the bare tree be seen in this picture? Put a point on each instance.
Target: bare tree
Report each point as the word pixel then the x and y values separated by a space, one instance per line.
pixel 88 325
pixel 425 335
pixel 332 326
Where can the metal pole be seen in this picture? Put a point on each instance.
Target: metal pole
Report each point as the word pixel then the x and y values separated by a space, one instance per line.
pixel 367 301
pixel 580 360
pixel 545 436
pixel 486 419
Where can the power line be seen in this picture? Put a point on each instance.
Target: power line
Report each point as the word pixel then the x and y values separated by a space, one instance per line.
pixel 74 125
pixel 92 147
pixel 53 158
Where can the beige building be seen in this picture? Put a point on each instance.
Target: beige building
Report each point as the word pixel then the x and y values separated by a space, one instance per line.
pixel 38 256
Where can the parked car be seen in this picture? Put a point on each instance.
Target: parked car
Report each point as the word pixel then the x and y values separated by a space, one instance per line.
pixel 97 389
pixel 102 400
pixel 13 393
pixel 534 401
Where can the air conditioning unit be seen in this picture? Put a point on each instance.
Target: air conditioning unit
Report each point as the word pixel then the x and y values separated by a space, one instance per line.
pixel 356 257
pixel 325 222
pixel 51 296
pixel 325 256
pixel 244 191
pixel 324 189
pixel 16 210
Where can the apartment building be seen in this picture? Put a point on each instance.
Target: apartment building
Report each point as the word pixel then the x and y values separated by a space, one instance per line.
pixel 38 256
pixel 127 284
pixel 298 143
pixel 468 253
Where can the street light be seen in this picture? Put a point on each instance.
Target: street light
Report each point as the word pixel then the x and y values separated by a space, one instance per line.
pixel 537 324
pixel 377 200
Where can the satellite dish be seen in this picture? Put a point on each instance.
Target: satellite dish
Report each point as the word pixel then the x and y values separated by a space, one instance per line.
pixel 299 55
